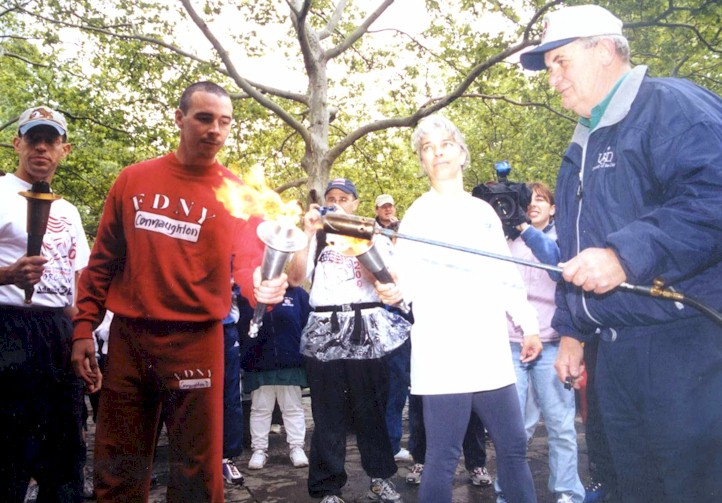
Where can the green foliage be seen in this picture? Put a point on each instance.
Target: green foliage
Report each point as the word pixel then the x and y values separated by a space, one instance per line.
pixel 117 68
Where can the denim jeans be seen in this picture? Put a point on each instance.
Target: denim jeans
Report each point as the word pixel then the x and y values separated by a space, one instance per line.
pixel 558 409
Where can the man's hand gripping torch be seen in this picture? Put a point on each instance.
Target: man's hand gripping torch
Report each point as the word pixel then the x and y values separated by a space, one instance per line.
pixel 281 241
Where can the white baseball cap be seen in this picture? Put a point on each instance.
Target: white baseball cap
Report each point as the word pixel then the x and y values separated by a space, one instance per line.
pixel 384 199
pixel 568 24
pixel 42 116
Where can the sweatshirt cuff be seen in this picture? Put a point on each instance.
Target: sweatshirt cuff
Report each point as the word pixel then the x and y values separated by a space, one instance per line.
pixel 82 330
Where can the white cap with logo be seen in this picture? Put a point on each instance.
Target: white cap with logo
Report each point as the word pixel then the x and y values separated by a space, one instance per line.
pixel 384 199
pixel 42 116
pixel 568 24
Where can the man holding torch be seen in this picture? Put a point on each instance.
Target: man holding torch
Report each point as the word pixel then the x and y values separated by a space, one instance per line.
pixel 346 341
pixel 162 262
pixel 40 420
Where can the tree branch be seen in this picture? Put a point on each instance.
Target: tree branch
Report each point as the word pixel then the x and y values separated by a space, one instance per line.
pixel 25 60
pixel 358 32
pixel 426 109
pixel 494 97
pixel 300 98
pixel 240 81
pixel 290 185
pixel 332 24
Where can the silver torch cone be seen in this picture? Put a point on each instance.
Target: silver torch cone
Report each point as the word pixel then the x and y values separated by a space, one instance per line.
pixel 39 199
pixel 363 228
pixel 371 260
pixel 281 241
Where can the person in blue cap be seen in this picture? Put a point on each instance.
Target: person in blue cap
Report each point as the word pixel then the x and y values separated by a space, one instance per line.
pixel 345 343
pixel 639 194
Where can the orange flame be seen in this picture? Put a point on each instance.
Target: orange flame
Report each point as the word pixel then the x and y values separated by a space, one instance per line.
pixel 255 198
pixel 348 245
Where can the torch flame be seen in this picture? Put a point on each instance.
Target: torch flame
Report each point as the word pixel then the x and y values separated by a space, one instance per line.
pixel 347 245
pixel 255 198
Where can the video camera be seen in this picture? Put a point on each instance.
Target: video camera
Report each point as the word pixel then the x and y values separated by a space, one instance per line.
pixel 509 200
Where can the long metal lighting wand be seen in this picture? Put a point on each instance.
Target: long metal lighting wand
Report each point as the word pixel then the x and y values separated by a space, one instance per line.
pixel 365 228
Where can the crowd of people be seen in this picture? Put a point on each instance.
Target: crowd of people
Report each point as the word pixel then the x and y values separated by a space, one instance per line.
pixel 492 341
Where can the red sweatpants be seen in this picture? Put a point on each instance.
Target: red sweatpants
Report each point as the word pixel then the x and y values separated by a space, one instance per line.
pixel 169 368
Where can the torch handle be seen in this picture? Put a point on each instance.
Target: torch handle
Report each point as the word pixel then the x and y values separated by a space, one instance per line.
pixel 257 320
pixel 35 244
pixel 384 276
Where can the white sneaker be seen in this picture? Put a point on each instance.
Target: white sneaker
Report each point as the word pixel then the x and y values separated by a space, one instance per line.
pixel 402 455
pixel 298 457
pixel 32 493
pixel 258 459
pixel 383 490
pixel 565 498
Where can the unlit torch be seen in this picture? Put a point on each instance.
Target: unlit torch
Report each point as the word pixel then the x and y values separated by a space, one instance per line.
pixel 39 200
pixel 281 241
pixel 365 228
pixel 371 260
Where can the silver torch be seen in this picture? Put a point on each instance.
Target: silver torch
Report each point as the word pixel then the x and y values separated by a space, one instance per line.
pixel 39 199
pixel 370 258
pixel 281 241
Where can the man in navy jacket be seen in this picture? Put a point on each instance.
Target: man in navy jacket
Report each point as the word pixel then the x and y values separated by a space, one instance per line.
pixel 639 197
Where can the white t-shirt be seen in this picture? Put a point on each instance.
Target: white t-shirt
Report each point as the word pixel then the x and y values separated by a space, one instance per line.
pixel 459 340
pixel 64 245
pixel 340 279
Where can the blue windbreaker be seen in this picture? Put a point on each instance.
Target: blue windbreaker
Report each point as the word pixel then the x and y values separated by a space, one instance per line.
pixel 646 182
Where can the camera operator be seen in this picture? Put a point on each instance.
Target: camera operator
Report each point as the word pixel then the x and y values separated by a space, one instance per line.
pixel 509 200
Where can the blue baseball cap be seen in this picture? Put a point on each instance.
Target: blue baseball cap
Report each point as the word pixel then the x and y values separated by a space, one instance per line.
pixel 342 184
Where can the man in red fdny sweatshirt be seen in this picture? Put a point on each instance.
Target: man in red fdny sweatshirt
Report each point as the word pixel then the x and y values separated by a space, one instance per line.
pixel 161 263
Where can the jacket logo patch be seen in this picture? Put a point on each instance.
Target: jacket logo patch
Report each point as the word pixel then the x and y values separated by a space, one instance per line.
pixel 605 160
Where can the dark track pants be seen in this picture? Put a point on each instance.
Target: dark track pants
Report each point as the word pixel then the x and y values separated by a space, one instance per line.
pixel 446 418
pixel 341 391
pixel 42 407
pixel 660 393
pixel 232 406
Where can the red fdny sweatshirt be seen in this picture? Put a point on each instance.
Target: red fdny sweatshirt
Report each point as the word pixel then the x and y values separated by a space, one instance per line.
pixel 164 248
